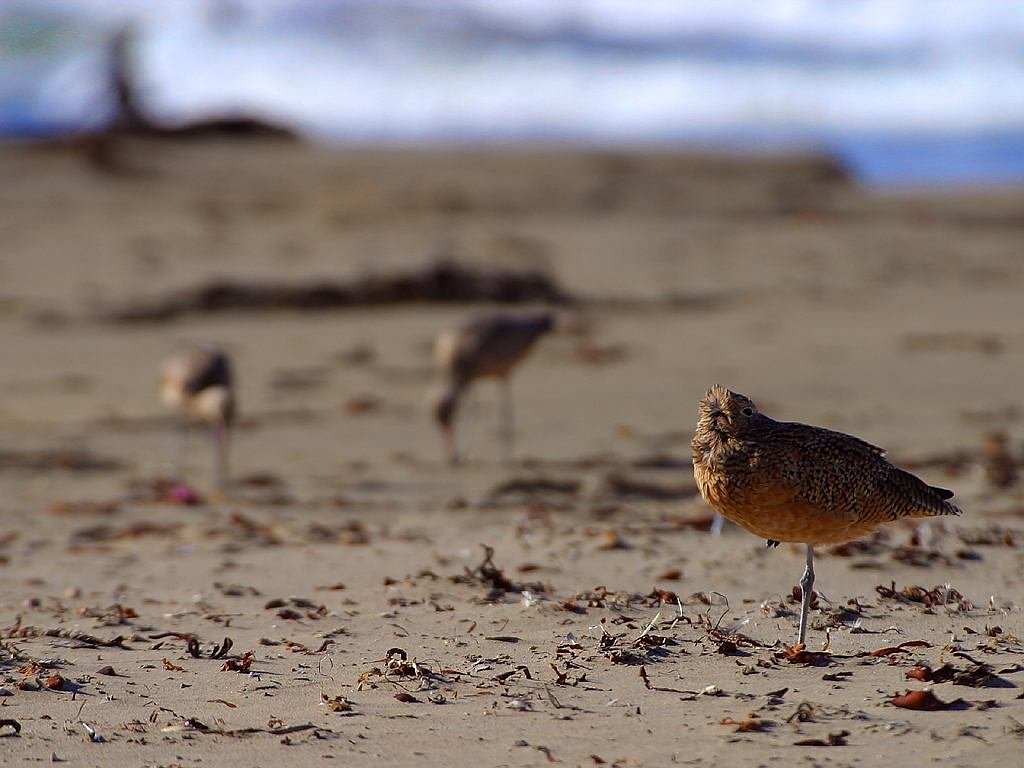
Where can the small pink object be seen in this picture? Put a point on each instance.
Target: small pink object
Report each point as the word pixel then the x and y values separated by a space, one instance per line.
pixel 184 494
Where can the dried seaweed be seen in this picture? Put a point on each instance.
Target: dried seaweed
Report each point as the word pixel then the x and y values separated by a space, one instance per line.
pixel 489 575
pixel 442 282
pixel 926 701
pixel 48 460
pixel 941 595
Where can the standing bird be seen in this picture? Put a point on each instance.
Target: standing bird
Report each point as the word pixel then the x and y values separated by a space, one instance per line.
pixel 485 346
pixel 196 380
pixel 793 482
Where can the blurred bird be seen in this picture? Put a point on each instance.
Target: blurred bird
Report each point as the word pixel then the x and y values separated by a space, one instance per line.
pixel 485 346
pixel 793 482
pixel 196 380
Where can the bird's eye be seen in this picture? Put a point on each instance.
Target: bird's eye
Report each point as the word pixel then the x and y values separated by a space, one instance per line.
pixel 747 411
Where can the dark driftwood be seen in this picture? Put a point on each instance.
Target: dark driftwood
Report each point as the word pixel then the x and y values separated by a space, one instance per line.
pixel 438 283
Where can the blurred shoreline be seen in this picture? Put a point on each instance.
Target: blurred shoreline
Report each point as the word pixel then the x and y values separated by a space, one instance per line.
pixel 904 93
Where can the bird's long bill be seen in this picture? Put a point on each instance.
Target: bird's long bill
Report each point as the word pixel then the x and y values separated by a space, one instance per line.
pixel 221 445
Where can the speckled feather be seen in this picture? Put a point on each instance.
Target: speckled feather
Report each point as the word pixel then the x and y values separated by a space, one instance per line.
pixel 194 367
pixel 787 481
pixel 192 372
pixel 489 344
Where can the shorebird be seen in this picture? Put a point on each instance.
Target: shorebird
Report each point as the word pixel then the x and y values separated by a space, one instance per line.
pixel 487 345
pixel 793 482
pixel 196 380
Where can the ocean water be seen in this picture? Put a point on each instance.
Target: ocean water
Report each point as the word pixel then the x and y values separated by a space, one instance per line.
pixel 904 92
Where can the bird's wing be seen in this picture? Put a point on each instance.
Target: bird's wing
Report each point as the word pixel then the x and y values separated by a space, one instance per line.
pixel 846 474
pixel 207 368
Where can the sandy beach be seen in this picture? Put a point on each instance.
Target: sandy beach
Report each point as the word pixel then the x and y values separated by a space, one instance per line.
pixel 338 602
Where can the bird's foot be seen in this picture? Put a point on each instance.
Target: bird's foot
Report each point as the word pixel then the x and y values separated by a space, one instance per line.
pixel 771 543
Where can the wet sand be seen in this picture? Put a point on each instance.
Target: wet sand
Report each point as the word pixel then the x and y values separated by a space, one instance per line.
pixel 610 628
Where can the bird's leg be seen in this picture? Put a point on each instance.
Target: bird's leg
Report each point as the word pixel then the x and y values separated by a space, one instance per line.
pixel 508 434
pixel 451 445
pixel 717 525
pixel 806 587
pixel 221 439
pixel 179 449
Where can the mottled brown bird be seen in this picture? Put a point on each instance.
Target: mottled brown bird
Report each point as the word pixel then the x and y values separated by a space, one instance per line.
pixel 196 380
pixel 793 482
pixel 487 345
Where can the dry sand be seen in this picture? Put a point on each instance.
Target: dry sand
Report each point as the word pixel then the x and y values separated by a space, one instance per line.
pixel 896 317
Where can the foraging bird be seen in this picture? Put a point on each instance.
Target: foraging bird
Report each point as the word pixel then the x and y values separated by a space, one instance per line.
pixel 486 346
pixel 793 482
pixel 196 380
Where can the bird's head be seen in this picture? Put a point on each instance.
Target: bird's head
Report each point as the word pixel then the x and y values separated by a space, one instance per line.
pixel 546 321
pixel 726 414
pixel 444 407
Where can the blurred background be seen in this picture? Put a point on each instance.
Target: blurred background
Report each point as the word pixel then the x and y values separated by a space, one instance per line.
pixel 901 92
pixel 816 202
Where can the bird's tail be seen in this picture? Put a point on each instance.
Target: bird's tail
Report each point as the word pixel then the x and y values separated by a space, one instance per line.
pixel 929 500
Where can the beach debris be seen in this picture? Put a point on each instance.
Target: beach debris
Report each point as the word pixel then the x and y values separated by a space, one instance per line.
pixel 623 486
pixel 307 609
pixel 750 725
pixel 249 529
pixel 241 663
pixel 236 590
pixel 837 739
pixel 360 405
pixel 992 535
pixel 85 507
pixel 489 575
pixel 924 700
pixel 901 648
pixel 352 533
pixel 534 486
pixel 610 539
pixel 977 675
pixel 96 534
pixel 647 683
pixel 804 713
pixel 182 493
pixel 217 652
pixel 18 630
pixel 336 703
pixel 798 654
pixel 163 490
pixel 113 615
pixel 941 595
pixel 93 734
pixel 50 459
pixel 399 668
pixel 592 353
pixel 11 723
pixel 443 282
